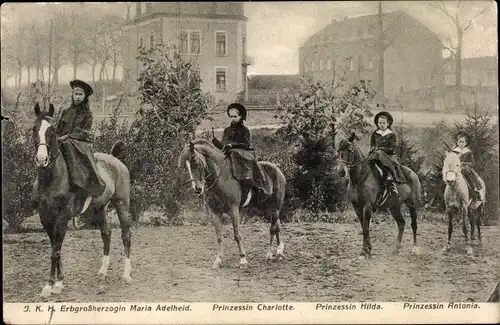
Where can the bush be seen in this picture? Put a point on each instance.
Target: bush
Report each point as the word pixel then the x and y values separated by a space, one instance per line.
pixel 18 168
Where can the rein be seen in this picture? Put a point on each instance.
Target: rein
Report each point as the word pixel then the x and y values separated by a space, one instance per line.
pixel 209 174
pixel 50 161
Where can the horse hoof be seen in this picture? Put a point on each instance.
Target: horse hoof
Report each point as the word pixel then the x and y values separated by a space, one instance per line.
pixel 58 288
pixel 396 252
pixel 216 265
pixel 46 291
pixel 415 250
pixel 469 250
pixel 269 256
pixel 243 262
pixel 101 275
pixel 128 279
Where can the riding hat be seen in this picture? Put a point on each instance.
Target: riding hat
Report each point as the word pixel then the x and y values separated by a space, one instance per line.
pixel 240 108
pixel 465 134
pixel 81 84
pixel 386 115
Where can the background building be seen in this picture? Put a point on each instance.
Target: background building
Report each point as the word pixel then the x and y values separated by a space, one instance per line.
pixel 479 82
pixel 211 33
pixel 412 61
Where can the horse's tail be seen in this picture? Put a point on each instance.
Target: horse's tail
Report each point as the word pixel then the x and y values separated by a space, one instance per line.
pixel 118 150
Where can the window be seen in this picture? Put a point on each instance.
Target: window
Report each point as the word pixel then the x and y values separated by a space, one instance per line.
pixel 220 79
pixel 313 67
pixel 321 65
pixel 221 43
pixel 143 7
pixel 329 64
pixel 351 64
pixel 190 42
pixel 361 65
pixel 152 40
pixel 141 41
pixel 195 42
pixel 370 64
pixel 305 67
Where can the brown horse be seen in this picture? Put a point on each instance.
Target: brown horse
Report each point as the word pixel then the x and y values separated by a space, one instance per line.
pixel 365 184
pixel 57 205
pixel 458 202
pixel 211 176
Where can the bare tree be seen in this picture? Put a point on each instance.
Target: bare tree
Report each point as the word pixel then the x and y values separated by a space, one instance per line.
pixel 456 12
pixel 77 39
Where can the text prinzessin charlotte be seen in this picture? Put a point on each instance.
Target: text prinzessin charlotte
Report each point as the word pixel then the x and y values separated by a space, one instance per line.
pixel 248 307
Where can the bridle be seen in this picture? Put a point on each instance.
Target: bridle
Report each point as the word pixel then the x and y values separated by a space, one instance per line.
pixel 349 164
pixel 202 178
pixel 50 159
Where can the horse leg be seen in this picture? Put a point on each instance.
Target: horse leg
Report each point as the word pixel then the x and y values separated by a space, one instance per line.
pixel 365 224
pixel 472 222
pixel 449 212
pixel 125 223
pixel 218 232
pixel 275 230
pixel 465 228
pixel 106 240
pixel 269 254
pixel 479 217
pixel 235 218
pixel 396 214
pixel 413 215
pixel 49 228
pixel 60 233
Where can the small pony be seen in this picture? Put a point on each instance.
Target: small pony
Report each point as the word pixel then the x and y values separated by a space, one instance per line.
pixel 211 175
pixel 57 205
pixel 458 202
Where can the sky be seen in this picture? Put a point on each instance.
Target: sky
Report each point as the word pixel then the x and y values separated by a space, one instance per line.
pixel 275 30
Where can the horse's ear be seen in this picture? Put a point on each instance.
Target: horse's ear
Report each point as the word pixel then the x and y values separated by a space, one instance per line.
pixel 37 109
pixel 51 110
pixel 191 146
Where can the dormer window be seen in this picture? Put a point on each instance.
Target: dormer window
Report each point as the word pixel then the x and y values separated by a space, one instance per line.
pixel 143 7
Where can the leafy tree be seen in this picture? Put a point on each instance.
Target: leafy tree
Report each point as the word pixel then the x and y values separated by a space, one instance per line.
pixel 18 170
pixel 312 119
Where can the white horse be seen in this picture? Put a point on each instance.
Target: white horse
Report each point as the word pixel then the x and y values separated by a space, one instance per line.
pixel 458 201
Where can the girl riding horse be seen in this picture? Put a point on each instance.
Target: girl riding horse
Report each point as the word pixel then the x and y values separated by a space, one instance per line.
pixel 236 142
pixel 462 139
pixel 74 131
pixel 383 145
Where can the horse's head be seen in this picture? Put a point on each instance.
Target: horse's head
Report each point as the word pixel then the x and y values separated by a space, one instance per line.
pixel 346 153
pixel 451 168
pixel 196 164
pixel 44 135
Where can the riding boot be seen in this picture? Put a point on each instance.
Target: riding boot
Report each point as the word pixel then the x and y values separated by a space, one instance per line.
pixel 391 185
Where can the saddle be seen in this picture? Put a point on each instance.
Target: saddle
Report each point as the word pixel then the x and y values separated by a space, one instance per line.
pixel 249 173
pixel 386 192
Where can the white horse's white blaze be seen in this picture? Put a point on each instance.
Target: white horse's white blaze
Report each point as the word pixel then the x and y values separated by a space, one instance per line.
pixel 451 176
pixel 58 287
pixel 249 197
pixel 42 155
pixel 126 270
pixel 104 266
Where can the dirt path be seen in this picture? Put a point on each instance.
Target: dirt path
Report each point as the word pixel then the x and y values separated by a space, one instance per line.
pixel 174 264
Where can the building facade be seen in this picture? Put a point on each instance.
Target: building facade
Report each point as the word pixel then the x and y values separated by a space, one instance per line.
pixel 479 82
pixel 412 59
pixel 211 34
